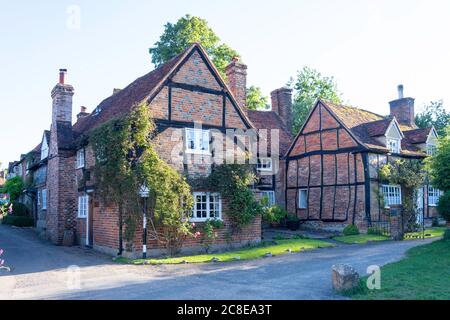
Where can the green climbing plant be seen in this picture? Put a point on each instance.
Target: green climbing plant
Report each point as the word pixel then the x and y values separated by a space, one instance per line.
pixel 410 175
pixel 126 160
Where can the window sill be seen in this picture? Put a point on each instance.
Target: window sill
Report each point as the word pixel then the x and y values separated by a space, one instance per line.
pixel 81 217
pixel 432 205
pixel 80 167
pixel 204 220
pixel 203 153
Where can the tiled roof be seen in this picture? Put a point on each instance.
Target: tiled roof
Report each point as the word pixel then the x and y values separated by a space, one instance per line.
pixel 367 126
pixel 417 135
pixel 122 102
pixel 270 120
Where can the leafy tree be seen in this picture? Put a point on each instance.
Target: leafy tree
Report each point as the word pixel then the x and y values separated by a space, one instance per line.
pixel 309 86
pixel 439 164
pixel 186 31
pixel 13 187
pixel 434 114
pixel 256 100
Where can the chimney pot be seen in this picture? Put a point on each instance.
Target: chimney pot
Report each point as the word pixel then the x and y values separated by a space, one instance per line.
pixel 83 109
pixel 62 75
pixel 400 91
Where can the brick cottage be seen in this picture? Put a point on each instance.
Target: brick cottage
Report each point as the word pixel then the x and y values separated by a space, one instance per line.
pixel 333 165
pixel 327 176
pixel 193 109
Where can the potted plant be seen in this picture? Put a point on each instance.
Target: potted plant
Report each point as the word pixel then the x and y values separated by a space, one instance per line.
pixel 293 222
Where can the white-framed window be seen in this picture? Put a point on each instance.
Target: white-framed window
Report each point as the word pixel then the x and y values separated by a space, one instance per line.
pixel 393 145
pixel 270 195
pixel 44 199
pixel 264 164
pixel 206 206
pixel 303 198
pixel 431 149
pixel 197 141
pixel 392 195
pixel 83 208
pixel 80 159
pixel 39 198
pixel 433 196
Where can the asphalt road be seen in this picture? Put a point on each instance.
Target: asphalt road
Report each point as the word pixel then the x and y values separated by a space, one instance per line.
pixel 40 271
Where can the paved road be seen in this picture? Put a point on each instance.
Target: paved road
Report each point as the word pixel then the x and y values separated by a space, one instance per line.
pixel 40 272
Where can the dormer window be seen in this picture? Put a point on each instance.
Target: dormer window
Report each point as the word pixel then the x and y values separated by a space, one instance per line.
pixel 80 159
pixel 44 149
pixel 393 145
pixel 431 150
pixel 394 137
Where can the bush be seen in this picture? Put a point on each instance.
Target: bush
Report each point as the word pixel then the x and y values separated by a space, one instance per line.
pixel 13 187
pixel 444 206
pixel 375 231
pixel 20 210
pixel 351 230
pixel 273 214
pixel 18 221
pixel 447 234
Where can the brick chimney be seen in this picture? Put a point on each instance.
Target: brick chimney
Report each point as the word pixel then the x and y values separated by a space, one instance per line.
pixel 62 95
pixel 237 81
pixel 60 218
pixel 403 109
pixel 83 112
pixel 282 105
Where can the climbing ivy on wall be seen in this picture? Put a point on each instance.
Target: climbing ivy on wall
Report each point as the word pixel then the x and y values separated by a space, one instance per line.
pixel 410 175
pixel 233 181
pixel 126 160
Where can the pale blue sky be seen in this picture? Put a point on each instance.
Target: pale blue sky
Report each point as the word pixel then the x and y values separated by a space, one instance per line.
pixel 368 46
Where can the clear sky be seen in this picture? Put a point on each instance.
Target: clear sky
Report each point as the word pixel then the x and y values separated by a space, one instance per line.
pixel 368 46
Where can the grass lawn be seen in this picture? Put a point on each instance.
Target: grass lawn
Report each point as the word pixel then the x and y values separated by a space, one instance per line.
pixel 424 274
pixel 360 238
pixel 434 232
pixel 276 247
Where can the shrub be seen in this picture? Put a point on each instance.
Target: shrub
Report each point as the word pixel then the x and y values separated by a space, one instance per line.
pixel 375 231
pixel 444 206
pixel 351 230
pixel 447 234
pixel 18 221
pixel 20 210
pixel 273 214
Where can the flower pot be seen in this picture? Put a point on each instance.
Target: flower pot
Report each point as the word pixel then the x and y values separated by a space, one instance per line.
pixel 293 225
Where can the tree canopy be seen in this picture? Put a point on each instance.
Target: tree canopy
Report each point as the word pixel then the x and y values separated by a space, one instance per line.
pixel 434 114
pixel 186 31
pixel 256 100
pixel 309 86
pixel 439 164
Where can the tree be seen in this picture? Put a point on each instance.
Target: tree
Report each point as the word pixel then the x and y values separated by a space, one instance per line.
pixel 309 86
pixel 434 114
pixel 439 164
pixel 256 100
pixel 186 31
pixel 13 187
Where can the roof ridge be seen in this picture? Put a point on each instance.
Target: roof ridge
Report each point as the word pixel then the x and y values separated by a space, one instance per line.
pixel 353 107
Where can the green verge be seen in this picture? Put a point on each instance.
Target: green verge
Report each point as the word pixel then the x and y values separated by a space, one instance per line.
pixel 360 238
pixel 434 232
pixel 423 275
pixel 276 247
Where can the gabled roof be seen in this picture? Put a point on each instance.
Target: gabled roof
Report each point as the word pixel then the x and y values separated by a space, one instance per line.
pixel 271 120
pixel 418 136
pixel 367 126
pixel 144 89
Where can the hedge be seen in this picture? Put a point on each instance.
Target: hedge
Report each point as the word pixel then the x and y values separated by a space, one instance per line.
pixel 18 221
